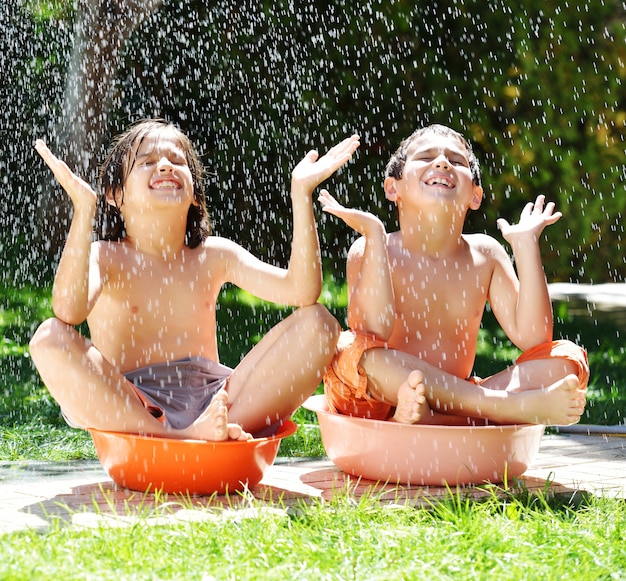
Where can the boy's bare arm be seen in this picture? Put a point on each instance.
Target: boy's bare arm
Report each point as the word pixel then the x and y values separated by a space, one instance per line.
pixel 305 269
pixel 301 283
pixel 70 293
pixel 529 308
pixel 371 306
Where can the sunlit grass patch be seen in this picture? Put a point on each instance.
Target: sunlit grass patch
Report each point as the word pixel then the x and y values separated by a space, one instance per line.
pixel 38 441
pixel 499 537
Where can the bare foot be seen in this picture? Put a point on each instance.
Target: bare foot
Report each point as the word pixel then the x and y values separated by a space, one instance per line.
pixel 560 404
pixel 412 405
pixel 213 424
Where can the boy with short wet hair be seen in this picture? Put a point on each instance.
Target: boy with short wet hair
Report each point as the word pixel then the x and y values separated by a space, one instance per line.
pixel 148 290
pixel 417 296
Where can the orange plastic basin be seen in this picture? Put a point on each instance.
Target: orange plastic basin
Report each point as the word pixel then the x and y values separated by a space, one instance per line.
pixel 186 466
pixel 425 455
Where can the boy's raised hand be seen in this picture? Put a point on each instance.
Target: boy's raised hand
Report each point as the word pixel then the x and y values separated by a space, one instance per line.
pixel 534 218
pixel 364 223
pixel 78 189
pixel 313 170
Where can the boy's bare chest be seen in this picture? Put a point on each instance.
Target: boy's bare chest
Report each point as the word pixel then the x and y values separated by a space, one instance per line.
pixel 157 290
pixel 155 311
pixel 161 291
pixel 441 291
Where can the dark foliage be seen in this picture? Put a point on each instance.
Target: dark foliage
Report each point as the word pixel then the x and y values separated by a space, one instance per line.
pixel 536 86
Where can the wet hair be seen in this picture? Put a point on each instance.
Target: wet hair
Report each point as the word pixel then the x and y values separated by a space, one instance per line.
pixel 395 167
pixel 117 167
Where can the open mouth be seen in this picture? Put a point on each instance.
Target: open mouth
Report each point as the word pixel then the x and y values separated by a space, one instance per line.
pixel 166 185
pixel 440 181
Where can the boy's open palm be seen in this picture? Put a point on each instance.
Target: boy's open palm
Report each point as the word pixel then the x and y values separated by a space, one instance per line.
pixel 534 218
pixel 78 189
pixel 313 170
pixel 363 222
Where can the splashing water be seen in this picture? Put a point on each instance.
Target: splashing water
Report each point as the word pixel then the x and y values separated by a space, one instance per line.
pixel 537 88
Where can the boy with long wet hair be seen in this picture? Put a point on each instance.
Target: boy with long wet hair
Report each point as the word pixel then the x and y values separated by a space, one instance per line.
pixel 116 167
pixel 148 289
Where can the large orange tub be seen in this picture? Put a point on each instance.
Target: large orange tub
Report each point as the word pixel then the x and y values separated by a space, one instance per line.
pixel 425 455
pixel 186 466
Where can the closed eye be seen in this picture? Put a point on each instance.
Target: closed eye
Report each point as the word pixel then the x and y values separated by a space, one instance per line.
pixel 453 160
pixel 150 160
pixel 145 160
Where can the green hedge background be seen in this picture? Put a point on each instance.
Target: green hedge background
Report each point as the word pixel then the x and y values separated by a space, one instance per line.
pixel 536 86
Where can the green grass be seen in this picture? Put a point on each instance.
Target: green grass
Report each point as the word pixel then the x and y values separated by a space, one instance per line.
pixel 518 537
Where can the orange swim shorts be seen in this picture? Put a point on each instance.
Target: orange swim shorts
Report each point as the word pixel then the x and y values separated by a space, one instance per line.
pixel 345 381
pixel 560 349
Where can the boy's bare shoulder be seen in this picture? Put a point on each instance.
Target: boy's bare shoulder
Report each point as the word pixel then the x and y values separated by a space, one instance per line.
pixel 485 244
pixel 358 246
pixel 115 254
pixel 217 248
pixel 103 251
pixel 214 242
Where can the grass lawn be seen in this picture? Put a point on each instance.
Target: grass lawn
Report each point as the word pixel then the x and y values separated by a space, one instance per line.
pixel 523 536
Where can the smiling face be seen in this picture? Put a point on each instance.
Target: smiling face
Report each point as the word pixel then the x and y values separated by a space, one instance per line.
pixel 157 172
pixel 151 137
pixel 437 169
